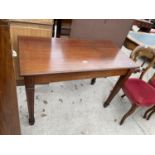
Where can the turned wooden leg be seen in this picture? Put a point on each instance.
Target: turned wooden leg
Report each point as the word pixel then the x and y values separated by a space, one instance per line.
pixel 117 87
pixel 132 109
pixel 146 113
pixel 150 114
pixel 29 86
pixel 93 81
pixel 123 96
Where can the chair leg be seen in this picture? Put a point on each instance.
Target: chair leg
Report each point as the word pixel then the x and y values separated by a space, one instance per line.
pixel 132 109
pixel 148 117
pixel 146 113
pixel 123 96
pixel 143 63
pixel 93 81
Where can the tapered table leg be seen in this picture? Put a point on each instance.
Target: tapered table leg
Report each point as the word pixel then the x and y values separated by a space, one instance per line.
pixel 117 87
pixel 29 86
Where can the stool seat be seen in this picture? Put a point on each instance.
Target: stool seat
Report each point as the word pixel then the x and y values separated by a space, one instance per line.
pixel 139 92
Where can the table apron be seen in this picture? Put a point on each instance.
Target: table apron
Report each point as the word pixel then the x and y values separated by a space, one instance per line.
pixel 42 79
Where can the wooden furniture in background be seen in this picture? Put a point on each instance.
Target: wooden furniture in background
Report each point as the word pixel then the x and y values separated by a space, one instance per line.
pixel 28 27
pixel 115 30
pixel 62 27
pixel 140 39
pixel 135 39
pixel 43 60
pixel 144 25
pixel 9 117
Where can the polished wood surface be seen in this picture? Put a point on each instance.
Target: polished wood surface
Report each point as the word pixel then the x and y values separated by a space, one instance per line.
pixel 40 56
pixel 9 117
pixel 44 60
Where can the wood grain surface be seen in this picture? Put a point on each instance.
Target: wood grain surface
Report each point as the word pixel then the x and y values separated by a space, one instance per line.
pixel 9 116
pixel 40 56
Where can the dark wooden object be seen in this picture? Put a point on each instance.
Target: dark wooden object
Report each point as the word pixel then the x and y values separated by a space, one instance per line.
pixel 132 110
pixel 144 25
pixel 62 27
pixel 149 113
pixel 59 24
pixel 9 117
pixel 44 60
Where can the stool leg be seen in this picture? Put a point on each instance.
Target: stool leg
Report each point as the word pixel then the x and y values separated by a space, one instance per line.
pixel 148 117
pixel 93 81
pixel 132 109
pixel 146 113
pixel 123 96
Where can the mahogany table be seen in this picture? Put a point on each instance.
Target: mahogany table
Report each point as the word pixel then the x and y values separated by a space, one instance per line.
pixel 44 60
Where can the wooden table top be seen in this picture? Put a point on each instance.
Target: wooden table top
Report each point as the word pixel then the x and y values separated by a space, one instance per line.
pixel 41 56
pixel 142 38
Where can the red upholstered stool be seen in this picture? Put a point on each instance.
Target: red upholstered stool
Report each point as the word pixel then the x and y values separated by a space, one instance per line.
pixel 139 93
